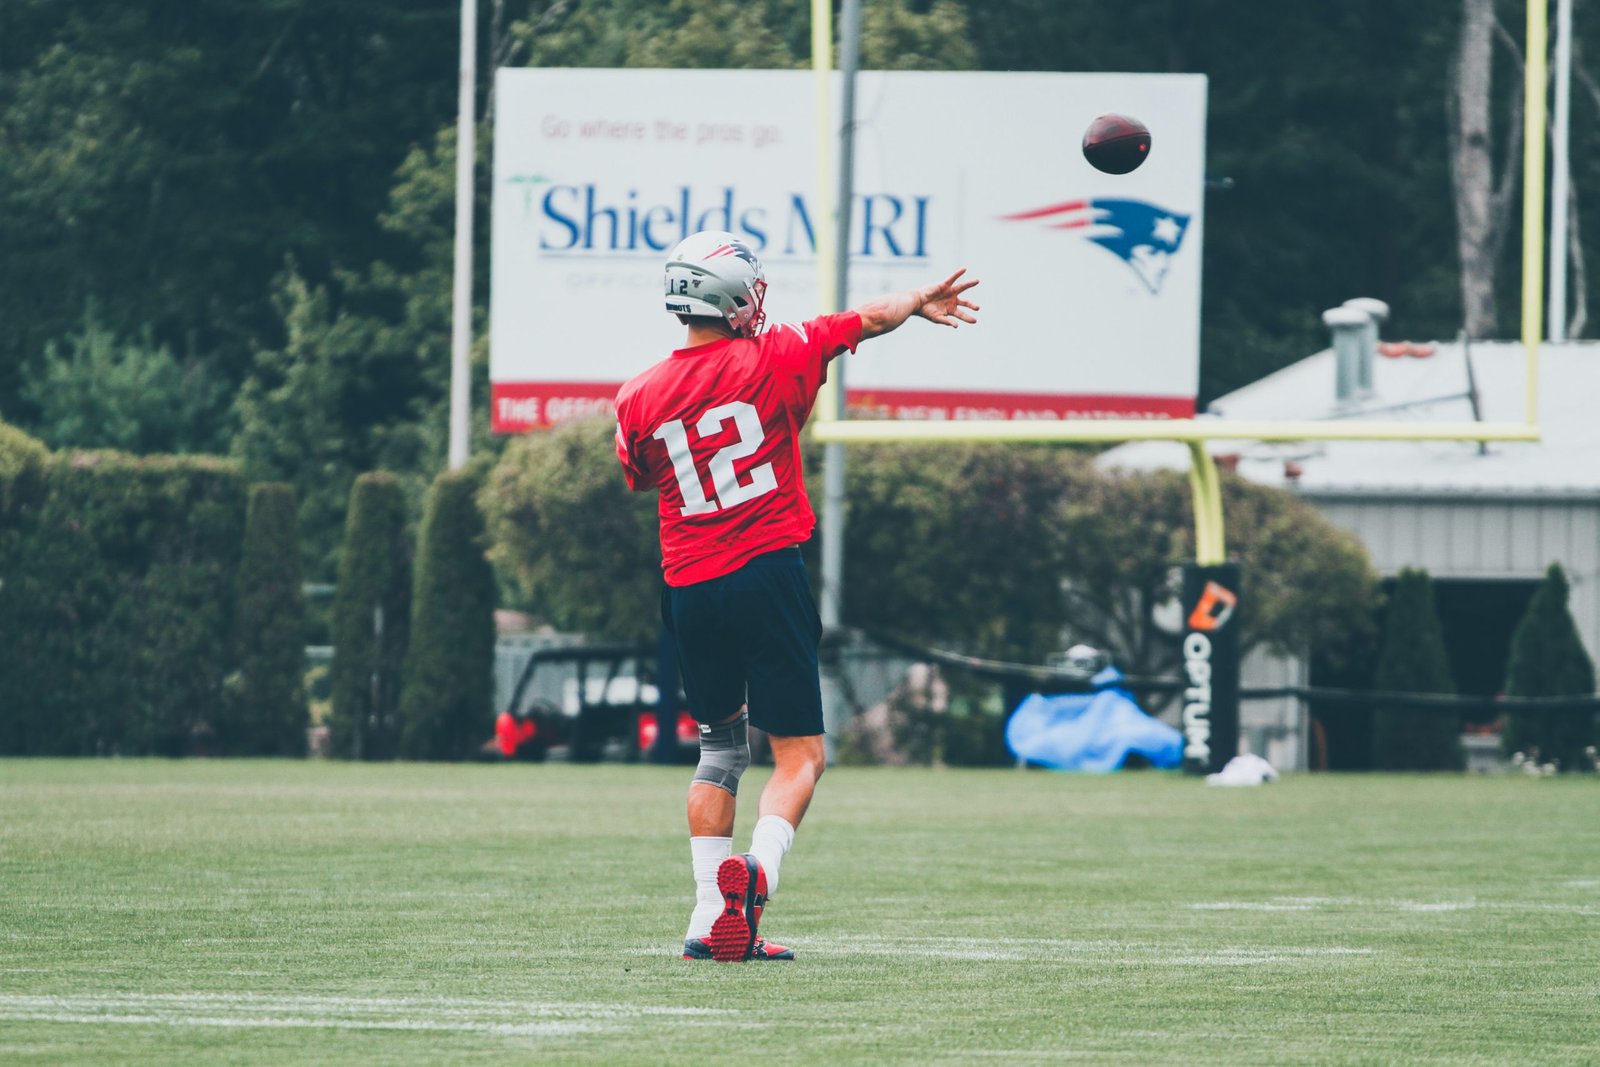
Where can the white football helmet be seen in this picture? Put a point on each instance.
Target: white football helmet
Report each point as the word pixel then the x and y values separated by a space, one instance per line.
pixel 715 274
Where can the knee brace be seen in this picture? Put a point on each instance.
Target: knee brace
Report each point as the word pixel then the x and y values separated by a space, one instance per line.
pixel 724 754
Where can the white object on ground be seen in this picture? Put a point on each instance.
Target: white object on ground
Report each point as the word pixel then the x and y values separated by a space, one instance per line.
pixel 1248 769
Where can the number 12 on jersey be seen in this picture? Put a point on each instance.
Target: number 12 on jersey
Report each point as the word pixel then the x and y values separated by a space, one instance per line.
pixel 727 489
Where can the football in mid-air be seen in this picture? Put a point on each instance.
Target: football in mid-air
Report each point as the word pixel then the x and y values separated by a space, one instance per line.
pixel 1116 144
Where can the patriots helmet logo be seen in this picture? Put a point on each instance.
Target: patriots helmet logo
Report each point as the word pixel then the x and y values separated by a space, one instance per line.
pixel 1143 235
pixel 735 248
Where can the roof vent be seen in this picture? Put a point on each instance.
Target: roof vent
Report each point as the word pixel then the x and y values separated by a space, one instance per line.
pixel 1356 357
pixel 1350 328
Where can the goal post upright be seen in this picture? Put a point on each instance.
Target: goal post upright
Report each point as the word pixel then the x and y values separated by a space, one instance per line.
pixel 1533 196
pixel 1210 542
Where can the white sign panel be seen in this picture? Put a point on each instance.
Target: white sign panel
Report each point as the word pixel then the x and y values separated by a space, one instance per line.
pixel 1091 281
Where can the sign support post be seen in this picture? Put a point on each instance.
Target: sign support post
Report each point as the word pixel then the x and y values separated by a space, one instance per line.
pixel 1210 665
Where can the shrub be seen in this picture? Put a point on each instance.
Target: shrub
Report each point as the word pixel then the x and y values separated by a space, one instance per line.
pixel 1412 659
pixel 1548 660
pixel 957 544
pixel 448 703
pixel 579 547
pixel 267 710
pixel 371 614
pixel 115 607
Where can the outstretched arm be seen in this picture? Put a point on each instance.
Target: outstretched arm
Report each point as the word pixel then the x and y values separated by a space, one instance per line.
pixel 941 303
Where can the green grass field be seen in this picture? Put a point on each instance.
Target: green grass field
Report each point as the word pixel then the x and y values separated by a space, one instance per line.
pixel 244 912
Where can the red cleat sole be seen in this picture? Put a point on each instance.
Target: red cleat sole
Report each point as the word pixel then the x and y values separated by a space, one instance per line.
pixel 733 935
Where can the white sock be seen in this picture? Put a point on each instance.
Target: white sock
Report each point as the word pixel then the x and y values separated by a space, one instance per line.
pixel 769 844
pixel 707 854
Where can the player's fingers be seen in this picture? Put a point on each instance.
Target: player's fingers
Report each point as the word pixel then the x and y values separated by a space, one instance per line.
pixel 964 286
pixel 950 282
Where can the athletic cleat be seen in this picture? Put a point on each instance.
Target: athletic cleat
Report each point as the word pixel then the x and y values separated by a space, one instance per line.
pixel 696 949
pixel 743 885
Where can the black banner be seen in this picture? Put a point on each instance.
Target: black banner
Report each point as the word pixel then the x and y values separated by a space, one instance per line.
pixel 1210 666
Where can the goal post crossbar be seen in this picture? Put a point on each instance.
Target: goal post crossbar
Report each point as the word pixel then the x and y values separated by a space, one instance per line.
pixel 1209 526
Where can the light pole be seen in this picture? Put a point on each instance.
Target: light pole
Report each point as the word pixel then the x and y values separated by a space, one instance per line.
pixel 1560 174
pixel 461 305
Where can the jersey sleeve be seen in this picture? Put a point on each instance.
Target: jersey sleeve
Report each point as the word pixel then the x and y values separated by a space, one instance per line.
pixel 632 467
pixel 805 348
pixel 836 334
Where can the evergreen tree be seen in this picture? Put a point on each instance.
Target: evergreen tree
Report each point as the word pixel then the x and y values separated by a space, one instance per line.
pixel 1548 660
pixel 448 702
pixel 291 426
pixel 101 391
pixel 371 612
pixel 1412 659
pixel 267 710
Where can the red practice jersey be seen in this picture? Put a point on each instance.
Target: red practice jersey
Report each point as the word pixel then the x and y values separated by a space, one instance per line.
pixel 716 430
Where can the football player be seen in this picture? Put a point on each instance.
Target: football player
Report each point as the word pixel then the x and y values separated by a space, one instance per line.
pixel 715 430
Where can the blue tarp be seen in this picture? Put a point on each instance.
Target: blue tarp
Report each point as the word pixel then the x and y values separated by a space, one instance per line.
pixel 1090 731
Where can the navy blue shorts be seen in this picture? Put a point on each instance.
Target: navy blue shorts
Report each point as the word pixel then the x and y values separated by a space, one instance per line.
pixel 750 637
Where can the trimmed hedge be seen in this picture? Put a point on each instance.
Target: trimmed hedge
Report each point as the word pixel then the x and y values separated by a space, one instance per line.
pixel 22 467
pixel 447 706
pixel 116 602
pixel 24 462
pixel 374 594
pixel 267 710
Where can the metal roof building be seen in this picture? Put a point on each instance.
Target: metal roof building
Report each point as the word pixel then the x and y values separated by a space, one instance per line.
pixel 1473 516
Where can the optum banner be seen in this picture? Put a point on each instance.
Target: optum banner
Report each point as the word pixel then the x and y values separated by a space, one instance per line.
pixel 1091 282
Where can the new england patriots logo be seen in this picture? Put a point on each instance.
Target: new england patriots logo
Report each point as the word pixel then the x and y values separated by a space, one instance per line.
pixel 1141 234
pixel 735 248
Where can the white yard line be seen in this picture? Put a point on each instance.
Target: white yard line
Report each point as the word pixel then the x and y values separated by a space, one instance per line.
pixel 248 1010
pixel 1372 906
pixel 542 1029
pixel 1020 949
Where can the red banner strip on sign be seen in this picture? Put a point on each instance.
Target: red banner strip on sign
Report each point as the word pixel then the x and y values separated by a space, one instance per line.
pixel 516 407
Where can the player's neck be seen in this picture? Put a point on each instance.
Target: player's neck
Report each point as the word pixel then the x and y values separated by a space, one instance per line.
pixel 705 335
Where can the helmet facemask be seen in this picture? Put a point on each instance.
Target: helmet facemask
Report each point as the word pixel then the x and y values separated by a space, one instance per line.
pixel 757 318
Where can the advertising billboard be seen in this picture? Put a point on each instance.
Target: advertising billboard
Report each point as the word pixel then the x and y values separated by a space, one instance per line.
pixel 1091 281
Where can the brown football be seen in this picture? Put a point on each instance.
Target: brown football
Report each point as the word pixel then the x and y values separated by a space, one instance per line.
pixel 1116 144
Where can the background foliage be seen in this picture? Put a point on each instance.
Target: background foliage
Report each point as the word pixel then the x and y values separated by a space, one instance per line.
pixel 228 225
